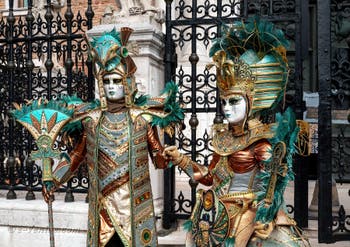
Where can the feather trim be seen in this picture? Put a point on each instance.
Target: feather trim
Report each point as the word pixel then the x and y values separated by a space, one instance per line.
pixel 260 36
pixel 286 131
pixel 58 105
pixel 171 106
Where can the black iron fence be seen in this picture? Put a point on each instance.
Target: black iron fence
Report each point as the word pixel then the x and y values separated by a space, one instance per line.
pixel 333 114
pixel 42 54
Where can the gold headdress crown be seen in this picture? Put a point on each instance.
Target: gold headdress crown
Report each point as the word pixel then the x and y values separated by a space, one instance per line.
pixel 111 55
pixel 251 60
pixel 233 76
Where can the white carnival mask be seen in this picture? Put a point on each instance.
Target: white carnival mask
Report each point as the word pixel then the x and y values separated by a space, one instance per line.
pixel 234 108
pixel 113 86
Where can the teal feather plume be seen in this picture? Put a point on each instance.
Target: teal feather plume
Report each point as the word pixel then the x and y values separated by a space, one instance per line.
pixel 71 100
pixel 256 34
pixel 36 108
pixel 171 106
pixel 72 127
pixel 257 37
pixel 286 131
pixel 140 100
pixel 102 46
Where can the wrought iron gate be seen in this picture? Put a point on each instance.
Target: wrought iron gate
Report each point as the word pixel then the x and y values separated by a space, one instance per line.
pixel 333 114
pixel 42 54
pixel 191 25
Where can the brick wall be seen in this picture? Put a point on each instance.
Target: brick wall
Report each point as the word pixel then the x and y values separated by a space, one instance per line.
pixel 2 4
pixel 98 6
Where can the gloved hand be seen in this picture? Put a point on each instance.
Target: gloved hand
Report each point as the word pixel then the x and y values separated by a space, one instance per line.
pixel 171 153
pixel 263 231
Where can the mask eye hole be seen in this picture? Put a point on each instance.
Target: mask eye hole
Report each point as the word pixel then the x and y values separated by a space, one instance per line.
pixel 117 81
pixel 234 101
pixel 223 102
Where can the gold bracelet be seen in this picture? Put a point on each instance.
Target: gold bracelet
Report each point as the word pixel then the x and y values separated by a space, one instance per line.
pixel 184 163
pixel 178 160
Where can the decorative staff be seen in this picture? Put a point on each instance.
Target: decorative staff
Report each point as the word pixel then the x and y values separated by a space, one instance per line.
pixel 44 120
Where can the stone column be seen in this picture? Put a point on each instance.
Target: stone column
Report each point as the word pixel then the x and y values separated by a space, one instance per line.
pixel 146 47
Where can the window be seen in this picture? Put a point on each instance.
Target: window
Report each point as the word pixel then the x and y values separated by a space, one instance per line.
pixel 17 4
pixel 22 3
pixel 19 7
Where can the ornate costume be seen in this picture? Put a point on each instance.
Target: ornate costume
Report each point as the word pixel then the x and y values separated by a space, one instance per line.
pixel 252 161
pixel 116 137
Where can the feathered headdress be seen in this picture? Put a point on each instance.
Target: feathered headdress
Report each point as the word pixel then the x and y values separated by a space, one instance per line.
pixel 110 54
pixel 251 60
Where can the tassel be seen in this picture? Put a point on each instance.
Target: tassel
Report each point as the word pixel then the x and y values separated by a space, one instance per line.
pixel 187 226
pixel 125 33
pixel 130 65
pixel 230 242
pixel 170 165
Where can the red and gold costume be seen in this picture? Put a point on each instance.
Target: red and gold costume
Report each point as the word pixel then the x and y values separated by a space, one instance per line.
pixel 252 161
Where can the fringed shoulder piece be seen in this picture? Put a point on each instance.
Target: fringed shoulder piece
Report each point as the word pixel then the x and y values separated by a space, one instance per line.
pixel 163 111
pixel 174 112
pixel 81 111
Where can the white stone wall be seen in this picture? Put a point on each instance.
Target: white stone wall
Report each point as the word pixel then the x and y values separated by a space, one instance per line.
pixel 25 223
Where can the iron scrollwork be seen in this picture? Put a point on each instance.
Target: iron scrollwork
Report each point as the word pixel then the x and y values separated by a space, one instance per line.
pixel 341 222
pixel 46 49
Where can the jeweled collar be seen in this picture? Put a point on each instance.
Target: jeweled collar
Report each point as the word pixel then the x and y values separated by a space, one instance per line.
pixel 226 143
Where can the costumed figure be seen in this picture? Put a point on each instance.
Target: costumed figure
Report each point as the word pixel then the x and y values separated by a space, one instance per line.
pixel 114 135
pixel 252 161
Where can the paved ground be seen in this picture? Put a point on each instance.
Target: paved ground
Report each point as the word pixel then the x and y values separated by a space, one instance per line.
pixel 176 238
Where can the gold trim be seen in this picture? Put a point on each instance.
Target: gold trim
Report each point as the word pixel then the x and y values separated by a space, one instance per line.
pixel 233 144
pixel 267 81
pixel 269 73
pixel 238 195
pixel 265 65
pixel 264 98
pixel 261 106
pixel 267 89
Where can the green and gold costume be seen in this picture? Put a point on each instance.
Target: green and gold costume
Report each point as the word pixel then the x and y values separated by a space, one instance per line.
pixel 115 140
